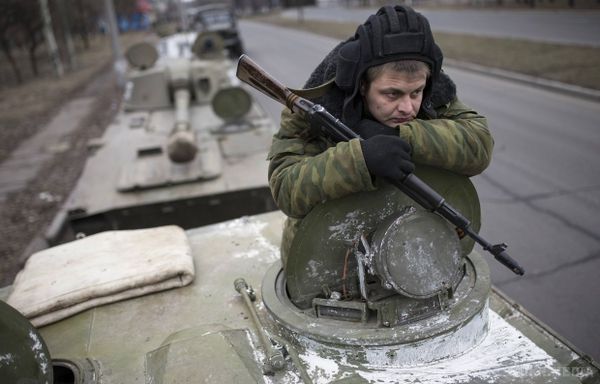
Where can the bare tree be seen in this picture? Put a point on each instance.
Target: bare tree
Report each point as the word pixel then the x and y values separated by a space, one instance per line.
pixel 8 28
pixel 82 26
pixel 85 19
pixel 21 27
pixel 29 20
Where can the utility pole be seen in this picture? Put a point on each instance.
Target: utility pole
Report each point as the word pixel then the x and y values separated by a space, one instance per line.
pixel 49 36
pixel 183 22
pixel 118 60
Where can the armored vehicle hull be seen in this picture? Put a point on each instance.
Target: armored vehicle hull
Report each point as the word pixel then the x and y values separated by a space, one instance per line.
pixel 205 331
pixel 129 180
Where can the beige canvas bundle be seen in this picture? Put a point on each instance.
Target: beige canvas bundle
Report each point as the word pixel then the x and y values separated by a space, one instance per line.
pixel 111 266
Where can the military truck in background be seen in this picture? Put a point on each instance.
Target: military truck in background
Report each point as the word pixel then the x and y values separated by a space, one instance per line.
pixel 214 17
pixel 220 19
pixel 188 146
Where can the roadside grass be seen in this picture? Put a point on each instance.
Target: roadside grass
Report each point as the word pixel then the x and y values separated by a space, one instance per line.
pixel 571 64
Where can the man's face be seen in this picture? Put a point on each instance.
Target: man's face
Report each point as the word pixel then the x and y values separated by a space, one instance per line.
pixel 395 97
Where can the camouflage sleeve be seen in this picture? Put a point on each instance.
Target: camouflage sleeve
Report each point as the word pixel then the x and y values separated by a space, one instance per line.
pixel 304 172
pixel 458 140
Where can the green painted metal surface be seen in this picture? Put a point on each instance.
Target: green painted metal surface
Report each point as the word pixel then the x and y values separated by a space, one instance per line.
pixel 24 356
pixel 203 331
pixel 318 251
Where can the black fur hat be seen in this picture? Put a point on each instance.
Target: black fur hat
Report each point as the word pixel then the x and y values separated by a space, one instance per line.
pixel 393 33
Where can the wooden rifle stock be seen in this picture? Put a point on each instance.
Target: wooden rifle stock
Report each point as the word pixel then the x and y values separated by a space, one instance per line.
pixel 252 74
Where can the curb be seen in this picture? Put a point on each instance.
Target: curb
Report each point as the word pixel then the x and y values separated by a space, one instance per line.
pixel 552 85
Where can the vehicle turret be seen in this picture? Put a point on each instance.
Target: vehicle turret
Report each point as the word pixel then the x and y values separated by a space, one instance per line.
pixel 184 82
pixel 378 281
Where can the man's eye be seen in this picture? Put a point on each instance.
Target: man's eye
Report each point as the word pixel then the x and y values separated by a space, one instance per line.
pixel 416 93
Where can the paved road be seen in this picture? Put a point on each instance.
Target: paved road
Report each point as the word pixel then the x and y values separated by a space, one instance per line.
pixel 540 195
pixel 572 27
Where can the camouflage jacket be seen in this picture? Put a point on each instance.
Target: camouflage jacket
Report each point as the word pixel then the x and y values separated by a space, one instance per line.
pixel 306 170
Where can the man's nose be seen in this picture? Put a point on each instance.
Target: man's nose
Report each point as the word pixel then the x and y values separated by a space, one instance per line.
pixel 404 104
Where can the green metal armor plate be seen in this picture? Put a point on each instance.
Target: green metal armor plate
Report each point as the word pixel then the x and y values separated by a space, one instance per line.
pixel 318 253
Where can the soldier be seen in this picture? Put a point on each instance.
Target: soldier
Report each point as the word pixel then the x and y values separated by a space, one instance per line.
pixel 386 83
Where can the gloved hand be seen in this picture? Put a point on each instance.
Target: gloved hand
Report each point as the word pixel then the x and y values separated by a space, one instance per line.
pixel 388 157
pixel 367 128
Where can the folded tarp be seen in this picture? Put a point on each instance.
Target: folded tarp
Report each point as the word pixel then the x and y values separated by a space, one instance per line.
pixel 64 280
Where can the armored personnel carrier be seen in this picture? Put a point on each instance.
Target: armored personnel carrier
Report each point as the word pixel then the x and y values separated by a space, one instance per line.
pixel 375 290
pixel 188 146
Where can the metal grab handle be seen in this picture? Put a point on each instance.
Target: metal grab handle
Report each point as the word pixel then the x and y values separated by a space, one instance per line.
pixel 275 360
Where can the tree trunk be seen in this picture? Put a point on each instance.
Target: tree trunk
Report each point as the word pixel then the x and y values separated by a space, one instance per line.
pixel 33 59
pixel 66 27
pixel 83 32
pixel 11 60
pixel 49 38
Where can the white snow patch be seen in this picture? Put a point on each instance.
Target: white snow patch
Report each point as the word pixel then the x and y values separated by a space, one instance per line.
pixel 321 370
pixel 38 350
pixel 503 354
pixel 504 349
pixel 7 359
pixel 258 247
pixel 347 229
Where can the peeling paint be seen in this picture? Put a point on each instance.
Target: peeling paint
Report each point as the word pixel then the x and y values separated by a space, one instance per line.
pixel 347 229
pixel 38 351
pixel 7 359
pixel 314 267
pixel 409 354
pixel 320 368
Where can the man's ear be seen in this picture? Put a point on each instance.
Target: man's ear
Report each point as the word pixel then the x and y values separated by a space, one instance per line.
pixel 363 88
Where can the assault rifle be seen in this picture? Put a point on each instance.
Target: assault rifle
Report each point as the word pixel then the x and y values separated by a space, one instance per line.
pixel 251 73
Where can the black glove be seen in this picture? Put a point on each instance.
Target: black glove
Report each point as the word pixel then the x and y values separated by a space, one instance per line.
pixel 368 128
pixel 388 157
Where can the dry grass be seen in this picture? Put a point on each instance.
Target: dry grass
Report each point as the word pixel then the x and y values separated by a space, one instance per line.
pixel 578 65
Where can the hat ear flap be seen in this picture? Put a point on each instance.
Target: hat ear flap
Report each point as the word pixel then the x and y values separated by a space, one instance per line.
pixel 351 59
pixel 438 59
pixel 347 65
